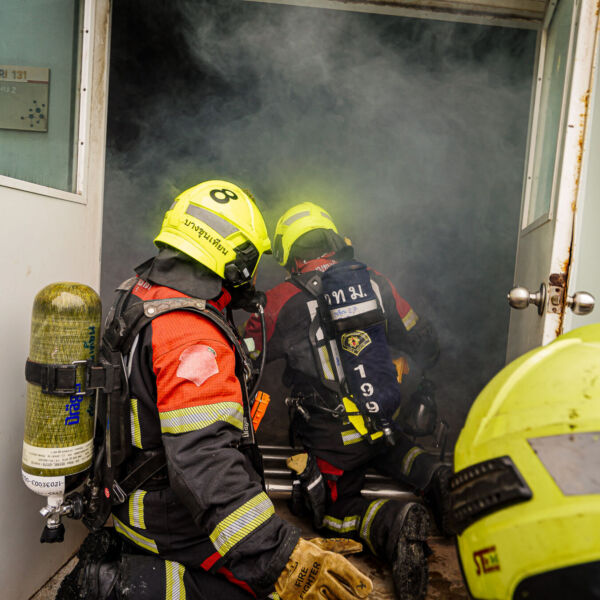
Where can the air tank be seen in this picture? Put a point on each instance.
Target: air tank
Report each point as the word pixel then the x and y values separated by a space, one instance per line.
pixel 59 428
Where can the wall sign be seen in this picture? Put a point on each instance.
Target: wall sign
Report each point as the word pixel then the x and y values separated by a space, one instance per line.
pixel 24 98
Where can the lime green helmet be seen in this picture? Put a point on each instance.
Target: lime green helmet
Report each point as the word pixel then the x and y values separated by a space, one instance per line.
pixel 525 496
pixel 218 224
pixel 296 222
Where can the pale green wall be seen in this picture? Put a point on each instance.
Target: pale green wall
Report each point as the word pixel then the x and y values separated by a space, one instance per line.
pixel 42 33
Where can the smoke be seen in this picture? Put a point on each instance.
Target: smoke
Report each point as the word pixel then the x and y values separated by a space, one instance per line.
pixel 410 132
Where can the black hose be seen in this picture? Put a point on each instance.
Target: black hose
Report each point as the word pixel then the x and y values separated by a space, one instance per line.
pixel 263 356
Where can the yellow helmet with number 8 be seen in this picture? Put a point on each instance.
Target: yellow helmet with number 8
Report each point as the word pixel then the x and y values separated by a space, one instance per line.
pixel 219 225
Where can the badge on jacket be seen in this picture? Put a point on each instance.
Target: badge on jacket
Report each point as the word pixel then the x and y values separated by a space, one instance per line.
pixel 197 363
pixel 355 341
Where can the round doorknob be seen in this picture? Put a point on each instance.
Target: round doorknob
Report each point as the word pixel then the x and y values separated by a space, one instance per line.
pixel 520 297
pixel 581 303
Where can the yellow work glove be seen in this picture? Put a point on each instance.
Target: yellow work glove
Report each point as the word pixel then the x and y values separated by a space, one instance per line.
pixel 340 545
pixel 297 462
pixel 313 573
pixel 402 368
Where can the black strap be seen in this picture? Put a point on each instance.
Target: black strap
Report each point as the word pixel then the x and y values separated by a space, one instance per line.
pixel 53 379
pixel 139 475
pixel 310 282
pixel 105 377
pixel 61 379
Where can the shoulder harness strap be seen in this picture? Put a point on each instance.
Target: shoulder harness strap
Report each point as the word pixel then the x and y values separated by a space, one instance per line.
pixel 324 352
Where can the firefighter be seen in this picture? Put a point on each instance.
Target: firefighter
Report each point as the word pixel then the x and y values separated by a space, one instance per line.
pixel 202 526
pixel 526 493
pixel 339 443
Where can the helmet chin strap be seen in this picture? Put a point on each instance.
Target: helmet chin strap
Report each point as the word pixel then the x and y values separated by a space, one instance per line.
pixel 298 263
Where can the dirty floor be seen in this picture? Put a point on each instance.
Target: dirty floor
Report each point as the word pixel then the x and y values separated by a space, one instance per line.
pixel 445 581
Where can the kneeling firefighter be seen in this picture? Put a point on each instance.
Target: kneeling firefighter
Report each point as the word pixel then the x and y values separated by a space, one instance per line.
pixel 334 321
pixel 526 493
pixel 175 460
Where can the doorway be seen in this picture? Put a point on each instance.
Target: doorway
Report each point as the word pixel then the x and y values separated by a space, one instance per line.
pixel 411 132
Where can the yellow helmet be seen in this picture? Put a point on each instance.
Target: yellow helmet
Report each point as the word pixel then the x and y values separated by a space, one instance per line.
pixel 526 492
pixel 295 222
pixel 218 224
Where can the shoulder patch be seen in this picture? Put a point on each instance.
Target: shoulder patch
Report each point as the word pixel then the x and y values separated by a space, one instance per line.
pixel 355 341
pixel 197 363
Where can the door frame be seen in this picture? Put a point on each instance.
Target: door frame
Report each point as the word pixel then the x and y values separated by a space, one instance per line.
pixel 536 99
pixel 565 186
pixel 521 14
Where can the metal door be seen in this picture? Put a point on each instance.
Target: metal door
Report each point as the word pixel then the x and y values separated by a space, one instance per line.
pixel 551 184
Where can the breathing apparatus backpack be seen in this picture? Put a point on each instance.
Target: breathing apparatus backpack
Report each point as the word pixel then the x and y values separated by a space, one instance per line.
pixel 348 338
pixel 77 427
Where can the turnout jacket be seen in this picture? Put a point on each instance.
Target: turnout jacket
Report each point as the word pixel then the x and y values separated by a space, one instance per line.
pixel 287 320
pixel 209 509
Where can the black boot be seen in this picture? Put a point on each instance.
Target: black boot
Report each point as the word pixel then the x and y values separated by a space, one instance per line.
pixel 437 496
pixel 96 573
pixel 409 552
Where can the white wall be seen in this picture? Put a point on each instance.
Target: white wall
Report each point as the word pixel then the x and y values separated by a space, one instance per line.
pixel 43 240
pixel 585 272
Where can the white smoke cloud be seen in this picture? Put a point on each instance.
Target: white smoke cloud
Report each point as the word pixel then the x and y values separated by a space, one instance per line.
pixel 411 133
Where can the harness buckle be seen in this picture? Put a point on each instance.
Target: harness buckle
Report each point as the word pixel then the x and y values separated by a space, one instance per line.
pixel 85 391
pixel 56 379
pixel 338 411
pixel 295 404
pixel 119 494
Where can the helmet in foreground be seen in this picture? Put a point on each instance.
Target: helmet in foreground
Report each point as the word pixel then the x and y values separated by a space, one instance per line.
pixel 526 492
pixel 299 221
pixel 218 224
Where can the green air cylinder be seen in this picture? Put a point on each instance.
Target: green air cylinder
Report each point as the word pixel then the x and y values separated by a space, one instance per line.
pixel 59 429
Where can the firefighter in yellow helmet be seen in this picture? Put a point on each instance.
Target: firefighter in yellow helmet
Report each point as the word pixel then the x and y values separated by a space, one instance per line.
pixel 191 516
pixel 526 493
pixel 333 321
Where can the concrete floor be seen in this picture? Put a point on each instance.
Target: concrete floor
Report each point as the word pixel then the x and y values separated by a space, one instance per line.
pixel 445 580
pixel 48 592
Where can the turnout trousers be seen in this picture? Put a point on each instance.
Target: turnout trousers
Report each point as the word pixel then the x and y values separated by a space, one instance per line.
pixel 152 578
pixel 164 555
pixel 349 514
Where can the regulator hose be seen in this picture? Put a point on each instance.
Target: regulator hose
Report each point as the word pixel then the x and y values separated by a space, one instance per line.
pixel 263 356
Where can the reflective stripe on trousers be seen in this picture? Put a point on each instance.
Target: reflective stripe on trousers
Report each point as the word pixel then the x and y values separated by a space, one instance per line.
pixel 174 577
pixel 345 525
pixel 137 538
pixel 365 528
pixel 136 509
